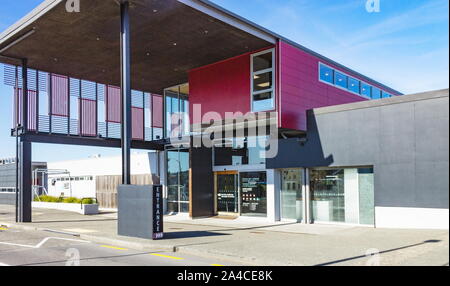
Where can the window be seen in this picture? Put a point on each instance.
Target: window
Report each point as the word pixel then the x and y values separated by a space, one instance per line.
pixel 263 79
pixel 353 85
pixel 240 151
pixel 376 93
pixel 253 194
pixel 340 79
pixel 177 161
pixel 386 95
pixel 326 74
pixel 366 90
pixel 291 194
pixel 342 195
pixel 177 111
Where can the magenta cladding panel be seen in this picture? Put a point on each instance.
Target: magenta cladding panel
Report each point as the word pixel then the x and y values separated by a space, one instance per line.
pixel 32 101
pixel 82 117
pixel 88 120
pixel 137 118
pixel 301 89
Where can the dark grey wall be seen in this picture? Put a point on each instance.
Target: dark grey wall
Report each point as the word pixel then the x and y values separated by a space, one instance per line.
pixel 405 138
pixel 135 211
pixel 201 187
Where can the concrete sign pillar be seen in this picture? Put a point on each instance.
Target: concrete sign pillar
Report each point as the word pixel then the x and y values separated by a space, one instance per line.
pixel 140 211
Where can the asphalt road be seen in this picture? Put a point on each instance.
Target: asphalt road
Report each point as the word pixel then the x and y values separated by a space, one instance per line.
pixel 41 248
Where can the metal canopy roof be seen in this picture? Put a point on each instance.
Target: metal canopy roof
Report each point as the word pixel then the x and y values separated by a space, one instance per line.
pixel 168 39
pixel 86 44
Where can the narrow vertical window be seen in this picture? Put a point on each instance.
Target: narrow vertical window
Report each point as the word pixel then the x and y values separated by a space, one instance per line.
pixel 376 93
pixel 326 74
pixel 386 95
pixel 353 85
pixel 366 90
pixel 263 81
pixel 340 79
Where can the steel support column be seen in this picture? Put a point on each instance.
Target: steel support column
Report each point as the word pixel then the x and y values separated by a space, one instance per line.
pixel 24 214
pixel 125 89
pixel 307 215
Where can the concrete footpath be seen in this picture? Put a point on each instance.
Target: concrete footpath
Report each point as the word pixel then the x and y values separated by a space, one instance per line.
pixel 254 243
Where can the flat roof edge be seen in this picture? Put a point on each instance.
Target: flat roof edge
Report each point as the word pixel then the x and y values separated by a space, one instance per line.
pixel 28 19
pixel 232 19
pixel 442 93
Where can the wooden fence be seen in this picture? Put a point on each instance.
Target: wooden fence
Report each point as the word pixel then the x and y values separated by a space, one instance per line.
pixel 106 187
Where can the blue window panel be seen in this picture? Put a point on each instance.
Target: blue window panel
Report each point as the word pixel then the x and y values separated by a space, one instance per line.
pixel 386 95
pixel 9 75
pixel 340 79
pixel 366 90
pixel 376 93
pixel 326 74
pixel 263 101
pixel 88 89
pixel 353 85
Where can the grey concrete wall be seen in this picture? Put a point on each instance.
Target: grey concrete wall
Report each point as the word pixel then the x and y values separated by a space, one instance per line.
pixel 201 188
pixel 406 139
pixel 135 211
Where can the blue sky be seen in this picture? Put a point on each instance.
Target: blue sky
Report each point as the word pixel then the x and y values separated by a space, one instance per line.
pixel 405 45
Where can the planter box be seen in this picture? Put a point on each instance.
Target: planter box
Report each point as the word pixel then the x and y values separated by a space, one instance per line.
pixel 78 208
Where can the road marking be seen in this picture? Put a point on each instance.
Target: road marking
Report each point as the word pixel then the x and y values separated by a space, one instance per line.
pixel 166 256
pixel 113 247
pixel 43 242
pixel 80 230
pixel 216 265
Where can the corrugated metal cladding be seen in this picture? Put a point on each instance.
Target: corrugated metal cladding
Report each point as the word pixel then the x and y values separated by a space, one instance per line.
pixel 17 114
pixel 59 104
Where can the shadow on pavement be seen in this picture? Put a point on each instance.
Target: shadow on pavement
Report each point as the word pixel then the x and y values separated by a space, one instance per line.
pixel 191 234
pixel 381 252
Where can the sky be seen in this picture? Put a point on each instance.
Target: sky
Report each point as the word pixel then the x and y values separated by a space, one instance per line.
pixel 405 45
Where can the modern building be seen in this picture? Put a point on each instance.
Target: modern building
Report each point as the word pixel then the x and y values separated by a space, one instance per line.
pixel 8 181
pixel 201 73
pixel 97 176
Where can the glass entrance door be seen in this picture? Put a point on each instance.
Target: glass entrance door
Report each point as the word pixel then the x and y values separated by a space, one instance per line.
pixel 178 181
pixel 292 202
pixel 227 193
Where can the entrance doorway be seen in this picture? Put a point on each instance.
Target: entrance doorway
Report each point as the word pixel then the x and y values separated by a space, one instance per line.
pixel 227 193
pixel 177 180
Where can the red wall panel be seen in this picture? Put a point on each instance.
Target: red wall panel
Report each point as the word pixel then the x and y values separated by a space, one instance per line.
pixel 301 89
pixel 60 95
pixel 113 104
pixel 32 101
pixel 88 122
pixel 157 111
pixel 221 87
pixel 137 123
